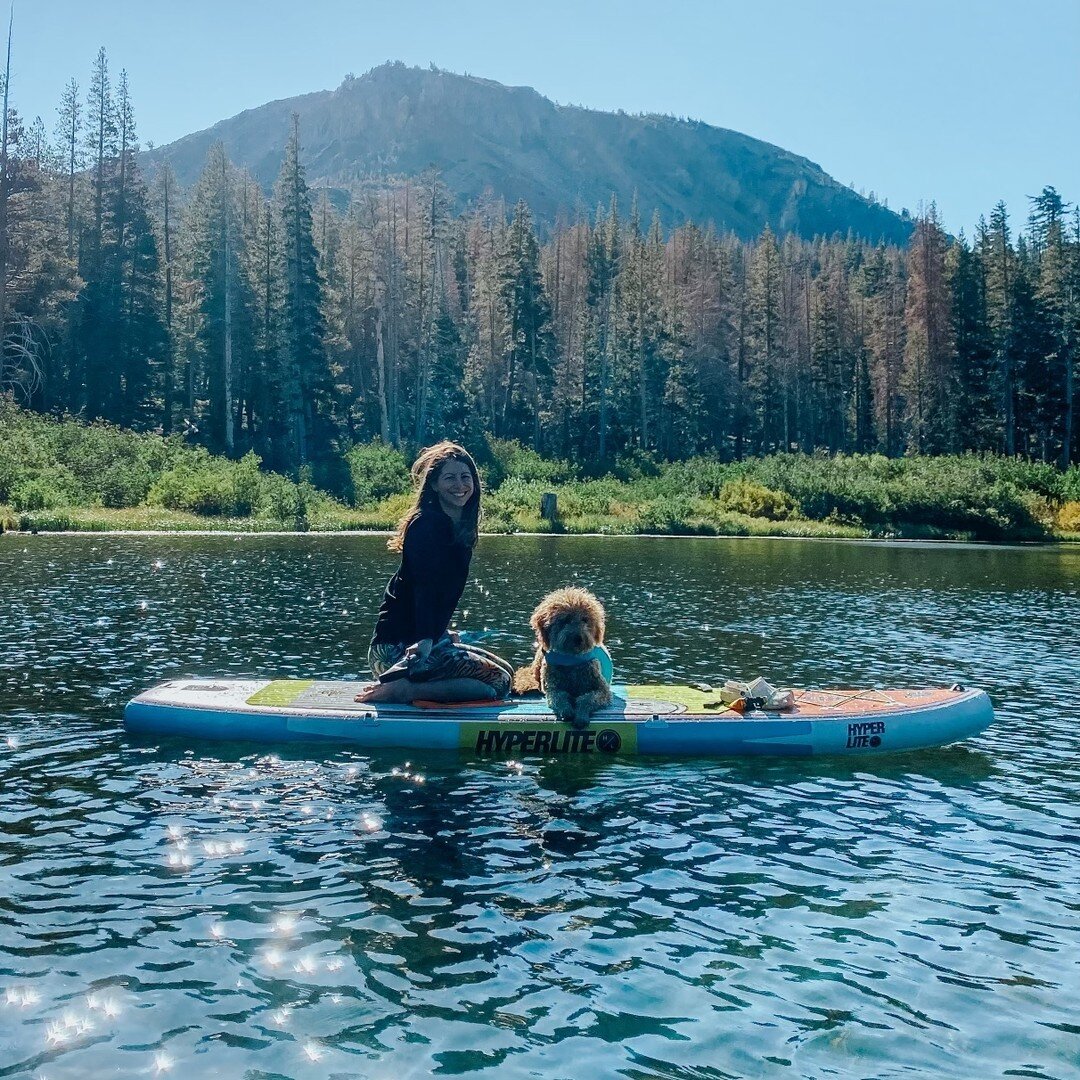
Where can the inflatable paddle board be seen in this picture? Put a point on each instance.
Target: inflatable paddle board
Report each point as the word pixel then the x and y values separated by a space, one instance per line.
pixel 642 720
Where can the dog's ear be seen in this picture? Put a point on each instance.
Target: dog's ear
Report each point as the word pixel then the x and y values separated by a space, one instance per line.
pixel 541 624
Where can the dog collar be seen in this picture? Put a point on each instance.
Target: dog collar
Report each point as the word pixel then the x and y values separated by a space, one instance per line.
pixel 597 653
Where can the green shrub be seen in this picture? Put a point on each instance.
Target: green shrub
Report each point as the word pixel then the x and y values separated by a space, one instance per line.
pixel 202 490
pixel 516 494
pixel 10 474
pixel 507 459
pixel 394 509
pixel 376 471
pixel 704 477
pixel 247 484
pixel 218 487
pixel 124 483
pixel 593 498
pixel 35 494
pixel 47 489
pixel 498 521
pixel 668 514
pixel 742 496
pixel 1068 517
pixel 636 464
pixel 1070 484
pixel 281 498
pixel 985 496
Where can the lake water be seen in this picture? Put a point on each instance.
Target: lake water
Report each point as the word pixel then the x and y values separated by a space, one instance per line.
pixel 231 911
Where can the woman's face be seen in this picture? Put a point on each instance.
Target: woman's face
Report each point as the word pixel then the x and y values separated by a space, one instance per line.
pixel 454 486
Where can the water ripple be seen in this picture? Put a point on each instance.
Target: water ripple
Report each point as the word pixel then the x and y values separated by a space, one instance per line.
pixel 229 911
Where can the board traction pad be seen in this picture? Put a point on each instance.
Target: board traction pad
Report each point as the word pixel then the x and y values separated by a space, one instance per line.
pixel 281 693
pixel 308 693
pixel 637 701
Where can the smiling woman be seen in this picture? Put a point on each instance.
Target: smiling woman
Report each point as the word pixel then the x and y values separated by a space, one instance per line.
pixel 412 652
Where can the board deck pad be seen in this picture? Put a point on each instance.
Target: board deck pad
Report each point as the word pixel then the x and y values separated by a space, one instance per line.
pixel 629 701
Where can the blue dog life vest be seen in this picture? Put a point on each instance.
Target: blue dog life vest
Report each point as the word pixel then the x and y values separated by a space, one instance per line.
pixel 597 652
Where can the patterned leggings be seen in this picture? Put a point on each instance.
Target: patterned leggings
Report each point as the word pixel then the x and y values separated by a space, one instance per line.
pixel 453 661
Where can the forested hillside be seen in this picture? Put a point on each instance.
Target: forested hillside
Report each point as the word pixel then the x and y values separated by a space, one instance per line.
pixel 289 327
pixel 514 144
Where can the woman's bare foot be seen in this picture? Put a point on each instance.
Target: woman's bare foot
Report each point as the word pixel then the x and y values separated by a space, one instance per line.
pixel 402 691
pixel 398 692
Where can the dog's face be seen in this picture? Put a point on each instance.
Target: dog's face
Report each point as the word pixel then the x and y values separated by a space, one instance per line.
pixel 572 632
pixel 569 621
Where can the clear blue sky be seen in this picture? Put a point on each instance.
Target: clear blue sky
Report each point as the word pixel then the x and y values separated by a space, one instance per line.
pixel 959 101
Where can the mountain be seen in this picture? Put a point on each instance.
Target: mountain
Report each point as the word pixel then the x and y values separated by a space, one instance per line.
pixel 510 140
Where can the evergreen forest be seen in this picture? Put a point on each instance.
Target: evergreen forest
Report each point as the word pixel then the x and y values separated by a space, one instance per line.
pixel 292 326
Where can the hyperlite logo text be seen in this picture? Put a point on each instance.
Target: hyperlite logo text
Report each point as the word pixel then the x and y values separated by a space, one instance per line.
pixel 546 741
pixel 865 735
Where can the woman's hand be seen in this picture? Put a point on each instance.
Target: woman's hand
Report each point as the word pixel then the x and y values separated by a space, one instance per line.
pixel 421 650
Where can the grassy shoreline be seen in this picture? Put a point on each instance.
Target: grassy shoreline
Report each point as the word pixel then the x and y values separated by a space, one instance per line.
pixel 151 521
pixel 102 520
pixel 60 475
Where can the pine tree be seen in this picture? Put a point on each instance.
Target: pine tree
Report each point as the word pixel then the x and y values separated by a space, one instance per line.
pixel 1034 381
pixel 1054 294
pixel 350 299
pixel 133 265
pixel 446 411
pixel 306 383
pixel 885 288
pixel 486 320
pixel 68 135
pixel 166 210
pixel 977 401
pixel 565 274
pixel 431 305
pixel 38 150
pixel 929 377
pixel 9 134
pixel 646 346
pixel 98 300
pixel 680 423
pixel 764 344
pixel 530 343
pixel 1000 273
pixel 830 374
pixel 265 391
pixel 1073 325
pixel 36 280
pixel 691 342
pixel 603 301
pixel 224 299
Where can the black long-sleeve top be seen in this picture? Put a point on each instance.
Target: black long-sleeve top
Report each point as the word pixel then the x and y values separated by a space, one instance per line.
pixel 421 597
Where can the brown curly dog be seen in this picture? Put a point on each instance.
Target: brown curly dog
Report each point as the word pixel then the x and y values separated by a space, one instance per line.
pixel 569 626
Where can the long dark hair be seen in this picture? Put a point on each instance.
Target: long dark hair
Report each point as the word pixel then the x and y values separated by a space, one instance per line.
pixel 425 472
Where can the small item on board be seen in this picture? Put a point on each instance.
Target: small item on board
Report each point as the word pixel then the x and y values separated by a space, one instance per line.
pixel 757 694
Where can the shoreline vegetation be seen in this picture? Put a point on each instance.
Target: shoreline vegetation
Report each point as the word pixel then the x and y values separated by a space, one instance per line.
pixel 67 476
pixel 654 376
pixel 295 321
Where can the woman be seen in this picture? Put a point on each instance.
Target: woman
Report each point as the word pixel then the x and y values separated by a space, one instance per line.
pixel 436 538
